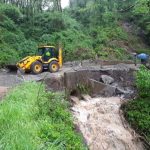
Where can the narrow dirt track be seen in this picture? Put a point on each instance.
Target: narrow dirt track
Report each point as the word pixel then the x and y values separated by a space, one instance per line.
pixel 100 122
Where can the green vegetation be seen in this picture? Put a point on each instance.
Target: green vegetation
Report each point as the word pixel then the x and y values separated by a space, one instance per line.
pixel 137 111
pixel 143 82
pixel 43 122
pixel 141 17
pixel 138 15
pixel 83 89
pixel 86 29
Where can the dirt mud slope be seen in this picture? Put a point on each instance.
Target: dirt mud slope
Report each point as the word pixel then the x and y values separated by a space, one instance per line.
pixel 102 127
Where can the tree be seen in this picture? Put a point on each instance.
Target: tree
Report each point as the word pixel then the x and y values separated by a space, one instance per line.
pixel 31 7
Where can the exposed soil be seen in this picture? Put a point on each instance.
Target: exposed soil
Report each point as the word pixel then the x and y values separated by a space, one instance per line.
pixel 100 122
pixel 136 40
pixel 3 91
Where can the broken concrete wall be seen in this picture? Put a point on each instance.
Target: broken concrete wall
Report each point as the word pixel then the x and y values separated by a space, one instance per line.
pixel 123 81
pixel 74 78
pixel 98 88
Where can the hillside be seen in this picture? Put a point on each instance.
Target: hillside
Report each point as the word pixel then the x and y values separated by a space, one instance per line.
pixel 85 30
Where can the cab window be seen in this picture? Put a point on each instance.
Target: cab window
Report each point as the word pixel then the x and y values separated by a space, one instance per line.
pixel 40 51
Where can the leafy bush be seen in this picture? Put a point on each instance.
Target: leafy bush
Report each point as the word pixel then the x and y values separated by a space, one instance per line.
pixel 137 111
pixel 27 47
pixel 12 38
pixel 47 23
pixel 105 34
pixel 80 45
pixel 7 23
pixel 14 46
pixel 11 12
pixel 141 17
pixel 33 120
pixel 105 42
pixel 76 45
pixel 143 82
pixel 8 55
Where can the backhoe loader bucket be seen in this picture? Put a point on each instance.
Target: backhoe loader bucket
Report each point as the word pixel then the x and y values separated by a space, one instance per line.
pixel 12 67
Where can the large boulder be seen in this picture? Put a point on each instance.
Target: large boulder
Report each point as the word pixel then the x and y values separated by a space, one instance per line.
pixel 99 88
pixel 106 79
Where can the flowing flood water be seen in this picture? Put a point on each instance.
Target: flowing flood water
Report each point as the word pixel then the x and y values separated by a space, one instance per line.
pixel 101 124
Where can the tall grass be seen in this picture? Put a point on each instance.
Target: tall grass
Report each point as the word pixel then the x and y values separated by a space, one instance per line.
pixel 31 123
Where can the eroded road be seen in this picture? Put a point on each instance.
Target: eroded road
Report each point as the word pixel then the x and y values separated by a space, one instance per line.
pixel 10 79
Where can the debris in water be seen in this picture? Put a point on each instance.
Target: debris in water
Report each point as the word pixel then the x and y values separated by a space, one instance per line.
pixel 100 122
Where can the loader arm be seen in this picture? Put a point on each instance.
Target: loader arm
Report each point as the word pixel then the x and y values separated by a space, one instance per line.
pixel 25 64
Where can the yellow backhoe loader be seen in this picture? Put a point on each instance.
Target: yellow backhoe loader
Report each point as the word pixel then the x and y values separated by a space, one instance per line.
pixel 47 57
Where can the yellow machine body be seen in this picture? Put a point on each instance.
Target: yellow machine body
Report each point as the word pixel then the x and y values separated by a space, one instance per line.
pixel 26 64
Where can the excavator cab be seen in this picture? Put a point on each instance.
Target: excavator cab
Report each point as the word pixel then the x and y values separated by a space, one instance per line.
pixel 42 51
pixel 47 57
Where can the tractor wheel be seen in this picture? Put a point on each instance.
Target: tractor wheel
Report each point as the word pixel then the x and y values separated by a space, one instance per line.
pixel 36 67
pixel 53 66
